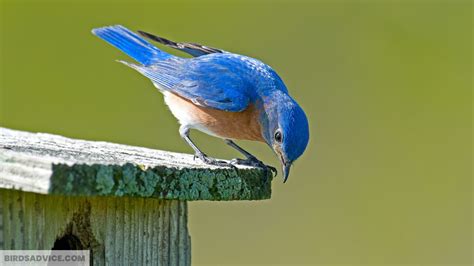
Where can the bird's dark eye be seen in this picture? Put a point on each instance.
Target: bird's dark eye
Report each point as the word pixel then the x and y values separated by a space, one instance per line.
pixel 278 136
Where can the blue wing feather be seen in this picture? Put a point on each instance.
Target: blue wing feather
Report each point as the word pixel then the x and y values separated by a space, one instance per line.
pixel 208 82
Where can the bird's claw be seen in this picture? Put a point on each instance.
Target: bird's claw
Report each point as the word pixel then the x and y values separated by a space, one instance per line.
pixel 252 161
pixel 214 162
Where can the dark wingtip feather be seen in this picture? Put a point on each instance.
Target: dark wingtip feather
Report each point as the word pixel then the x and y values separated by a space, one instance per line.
pixel 193 49
pixel 158 39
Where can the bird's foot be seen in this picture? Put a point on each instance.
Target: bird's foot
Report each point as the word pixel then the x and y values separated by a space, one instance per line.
pixel 254 162
pixel 212 161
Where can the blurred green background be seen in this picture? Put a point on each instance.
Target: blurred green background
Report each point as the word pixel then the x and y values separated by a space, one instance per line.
pixel 386 84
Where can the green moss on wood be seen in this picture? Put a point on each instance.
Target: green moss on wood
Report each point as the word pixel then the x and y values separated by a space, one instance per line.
pixel 161 182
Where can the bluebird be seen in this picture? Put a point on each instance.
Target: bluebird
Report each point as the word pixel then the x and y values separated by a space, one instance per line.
pixel 223 94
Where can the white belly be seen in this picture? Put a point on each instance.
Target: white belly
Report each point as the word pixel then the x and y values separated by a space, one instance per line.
pixel 186 113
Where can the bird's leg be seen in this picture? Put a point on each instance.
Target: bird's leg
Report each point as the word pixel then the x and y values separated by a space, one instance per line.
pixel 184 132
pixel 250 159
pixel 247 154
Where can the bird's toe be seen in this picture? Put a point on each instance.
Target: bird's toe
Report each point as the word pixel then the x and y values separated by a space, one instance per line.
pixel 215 162
pixel 254 162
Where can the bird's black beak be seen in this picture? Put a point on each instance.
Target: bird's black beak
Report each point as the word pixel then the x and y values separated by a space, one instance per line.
pixel 286 170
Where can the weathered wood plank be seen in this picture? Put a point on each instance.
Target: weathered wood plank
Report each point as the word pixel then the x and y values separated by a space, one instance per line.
pixel 51 164
pixel 95 223
pixel 1 222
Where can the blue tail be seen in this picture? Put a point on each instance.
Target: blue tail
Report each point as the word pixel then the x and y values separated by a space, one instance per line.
pixel 131 44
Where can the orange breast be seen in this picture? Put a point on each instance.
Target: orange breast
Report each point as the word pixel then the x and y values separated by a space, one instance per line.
pixel 233 125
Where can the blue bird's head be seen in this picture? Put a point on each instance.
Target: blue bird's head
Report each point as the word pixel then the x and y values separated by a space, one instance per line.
pixel 285 129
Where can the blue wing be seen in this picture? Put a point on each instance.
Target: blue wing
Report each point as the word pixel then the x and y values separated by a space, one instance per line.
pixel 210 81
pixel 214 78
